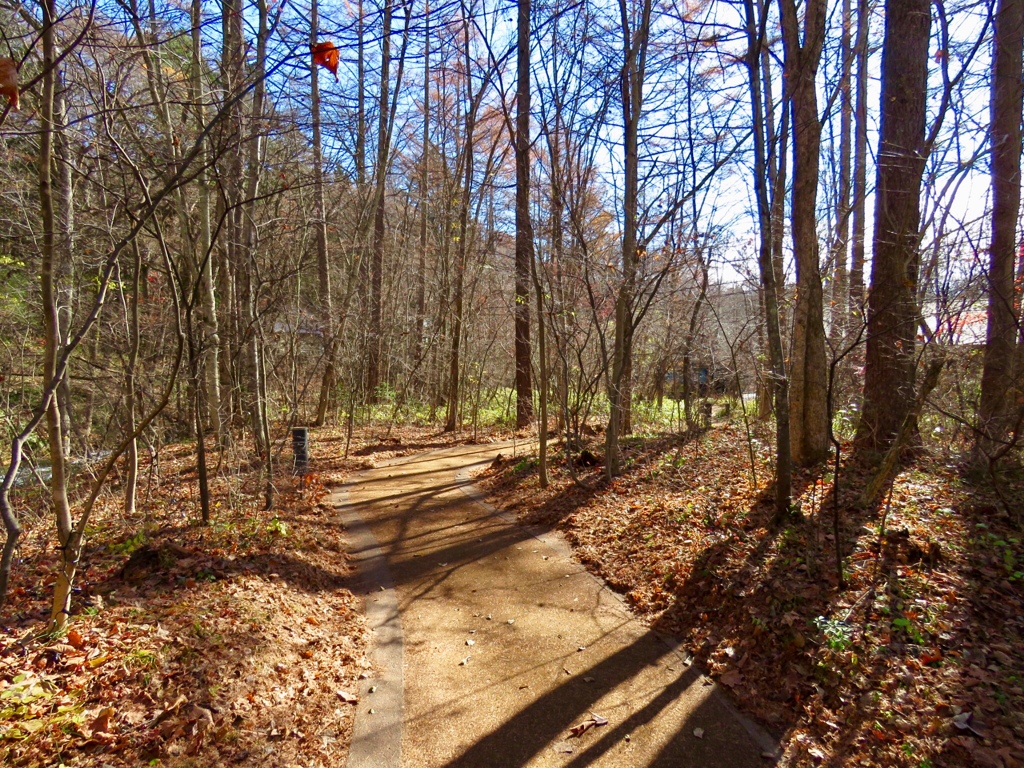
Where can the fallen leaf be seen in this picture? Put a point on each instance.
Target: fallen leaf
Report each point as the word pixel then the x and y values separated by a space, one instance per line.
pixel 347 697
pixel 732 678
pixel 593 721
pixel 202 716
pixel 698 732
pixel 75 639
pixel 102 722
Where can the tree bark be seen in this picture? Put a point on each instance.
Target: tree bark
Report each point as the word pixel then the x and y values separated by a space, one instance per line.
pixel 631 85
pixel 860 165
pixel 421 267
pixel 329 381
pixel 211 330
pixel 892 303
pixel 524 226
pixel 375 340
pixel 839 305
pixel 999 384
pixel 808 387
pixel 454 360
pixel 755 30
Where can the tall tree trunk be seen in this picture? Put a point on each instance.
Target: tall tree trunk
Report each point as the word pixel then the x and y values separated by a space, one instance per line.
pixel 421 267
pixel 839 306
pixel 999 384
pixel 250 296
pixel 860 165
pixel 234 274
pixel 130 386
pixel 776 136
pixel 211 330
pixel 892 303
pixel 755 29
pixel 524 227
pixel 375 340
pixel 65 244
pixel 467 159
pixel 327 385
pixel 69 545
pixel 631 85
pixel 360 102
pixel 808 387
pixel 542 435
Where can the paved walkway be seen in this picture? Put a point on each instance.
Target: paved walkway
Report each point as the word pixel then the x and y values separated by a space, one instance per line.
pixel 491 642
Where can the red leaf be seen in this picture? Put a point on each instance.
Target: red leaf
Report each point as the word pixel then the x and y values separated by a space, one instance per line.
pixel 9 82
pixel 326 55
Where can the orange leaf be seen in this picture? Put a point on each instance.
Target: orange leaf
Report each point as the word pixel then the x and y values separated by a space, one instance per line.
pixel 9 82
pixel 326 55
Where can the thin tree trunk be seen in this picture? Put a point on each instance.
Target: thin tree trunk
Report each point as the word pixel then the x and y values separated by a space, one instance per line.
pixel 999 384
pixel 860 164
pixel 454 361
pixel 327 385
pixel 524 227
pixel 769 277
pixel 211 331
pixel 250 287
pixel 132 470
pixel 360 103
pixel 542 436
pixel 839 306
pixel 421 270
pixel 632 86
pixel 374 339
pixel 69 548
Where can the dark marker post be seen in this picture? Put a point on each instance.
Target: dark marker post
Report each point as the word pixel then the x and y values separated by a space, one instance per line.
pixel 300 450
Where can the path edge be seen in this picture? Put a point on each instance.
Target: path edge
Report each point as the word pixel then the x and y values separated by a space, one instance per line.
pixel 377 737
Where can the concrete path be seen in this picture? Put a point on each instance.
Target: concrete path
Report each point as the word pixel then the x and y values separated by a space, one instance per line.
pixel 491 642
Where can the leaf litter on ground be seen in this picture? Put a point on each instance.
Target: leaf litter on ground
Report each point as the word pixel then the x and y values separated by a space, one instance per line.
pixel 893 670
pixel 232 643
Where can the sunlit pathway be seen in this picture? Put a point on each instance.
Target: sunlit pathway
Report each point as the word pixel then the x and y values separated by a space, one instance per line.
pixel 491 644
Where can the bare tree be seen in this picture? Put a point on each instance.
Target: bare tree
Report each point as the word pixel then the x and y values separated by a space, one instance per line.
pixel 756 23
pixel 524 227
pixel 999 380
pixel 809 372
pixel 889 392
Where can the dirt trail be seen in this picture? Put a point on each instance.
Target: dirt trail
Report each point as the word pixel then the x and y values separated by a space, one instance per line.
pixel 491 642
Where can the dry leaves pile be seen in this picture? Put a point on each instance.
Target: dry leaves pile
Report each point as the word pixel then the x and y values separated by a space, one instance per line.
pixel 239 643
pixel 918 662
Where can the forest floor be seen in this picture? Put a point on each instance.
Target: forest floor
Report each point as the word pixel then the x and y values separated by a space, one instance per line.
pixel 242 643
pixel 234 643
pixel 918 661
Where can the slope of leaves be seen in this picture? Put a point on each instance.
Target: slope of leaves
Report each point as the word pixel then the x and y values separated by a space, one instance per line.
pixel 918 662
pixel 240 642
